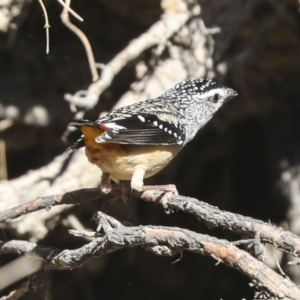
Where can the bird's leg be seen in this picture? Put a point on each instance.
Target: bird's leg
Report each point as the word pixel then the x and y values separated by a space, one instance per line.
pixel 125 191
pixel 137 180
pixel 105 185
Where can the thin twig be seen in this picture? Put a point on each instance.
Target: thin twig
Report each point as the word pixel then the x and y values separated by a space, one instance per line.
pixel 3 165
pixel 159 33
pixel 84 234
pixel 88 49
pixel 70 10
pixel 47 26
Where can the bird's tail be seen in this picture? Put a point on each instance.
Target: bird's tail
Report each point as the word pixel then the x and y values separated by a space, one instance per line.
pixel 90 131
pixel 79 123
pixel 78 144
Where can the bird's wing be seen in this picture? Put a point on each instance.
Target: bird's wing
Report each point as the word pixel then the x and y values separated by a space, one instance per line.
pixel 139 129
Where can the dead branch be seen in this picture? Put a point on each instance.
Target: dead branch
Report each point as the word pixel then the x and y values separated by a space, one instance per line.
pixel 87 46
pixel 18 269
pixel 190 56
pixel 70 10
pixel 162 241
pixel 47 25
pixel 210 215
pixel 214 217
pixel 63 174
pixel 39 282
pixel 84 195
pixel 171 22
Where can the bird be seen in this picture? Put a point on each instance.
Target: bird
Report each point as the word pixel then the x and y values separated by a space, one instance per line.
pixel 137 141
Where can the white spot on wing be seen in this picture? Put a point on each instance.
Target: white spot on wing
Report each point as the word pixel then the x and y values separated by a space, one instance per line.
pixel 114 126
pixel 141 118
pixel 119 118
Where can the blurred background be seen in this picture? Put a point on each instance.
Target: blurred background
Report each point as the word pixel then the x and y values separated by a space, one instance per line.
pixel 246 160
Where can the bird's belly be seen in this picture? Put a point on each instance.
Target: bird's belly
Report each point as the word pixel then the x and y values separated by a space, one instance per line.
pixel 120 161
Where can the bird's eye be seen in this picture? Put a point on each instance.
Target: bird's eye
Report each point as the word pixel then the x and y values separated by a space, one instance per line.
pixel 215 98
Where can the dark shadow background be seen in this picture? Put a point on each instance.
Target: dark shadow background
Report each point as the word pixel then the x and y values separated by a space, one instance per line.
pixel 235 162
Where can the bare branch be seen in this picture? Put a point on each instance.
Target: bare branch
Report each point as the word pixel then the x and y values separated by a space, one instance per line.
pixel 159 33
pixel 18 269
pixel 210 215
pixel 3 164
pixel 88 49
pixel 70 10
pixel 40 281
pixel 47 25
pixel 162 241
pixel 80 196
pixel 214 217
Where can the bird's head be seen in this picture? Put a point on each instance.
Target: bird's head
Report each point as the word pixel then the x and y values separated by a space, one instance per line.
pixel 198 100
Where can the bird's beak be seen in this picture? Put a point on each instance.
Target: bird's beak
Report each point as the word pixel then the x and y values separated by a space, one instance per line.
pixel 230 94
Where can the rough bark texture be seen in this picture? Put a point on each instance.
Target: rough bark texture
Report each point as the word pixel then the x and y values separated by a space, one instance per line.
pixel 246 160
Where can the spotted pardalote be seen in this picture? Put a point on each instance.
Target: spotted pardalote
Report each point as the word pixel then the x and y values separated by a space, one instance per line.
pixel 137 141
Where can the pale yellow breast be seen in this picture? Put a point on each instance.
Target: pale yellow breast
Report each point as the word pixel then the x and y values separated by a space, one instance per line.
pixel 121 160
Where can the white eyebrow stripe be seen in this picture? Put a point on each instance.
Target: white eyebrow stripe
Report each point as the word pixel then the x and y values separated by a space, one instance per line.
pixel 214 91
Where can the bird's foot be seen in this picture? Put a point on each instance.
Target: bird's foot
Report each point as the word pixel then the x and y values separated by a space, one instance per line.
pixel 105 190
pixel 168 191
pixel 105 185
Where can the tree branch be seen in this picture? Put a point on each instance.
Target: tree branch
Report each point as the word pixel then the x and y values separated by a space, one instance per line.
pixel 170 23
pixel 87 46
pixel 36 282
pixel 214 217
pixel 210 215
pixel 75 197
pixel 162 241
